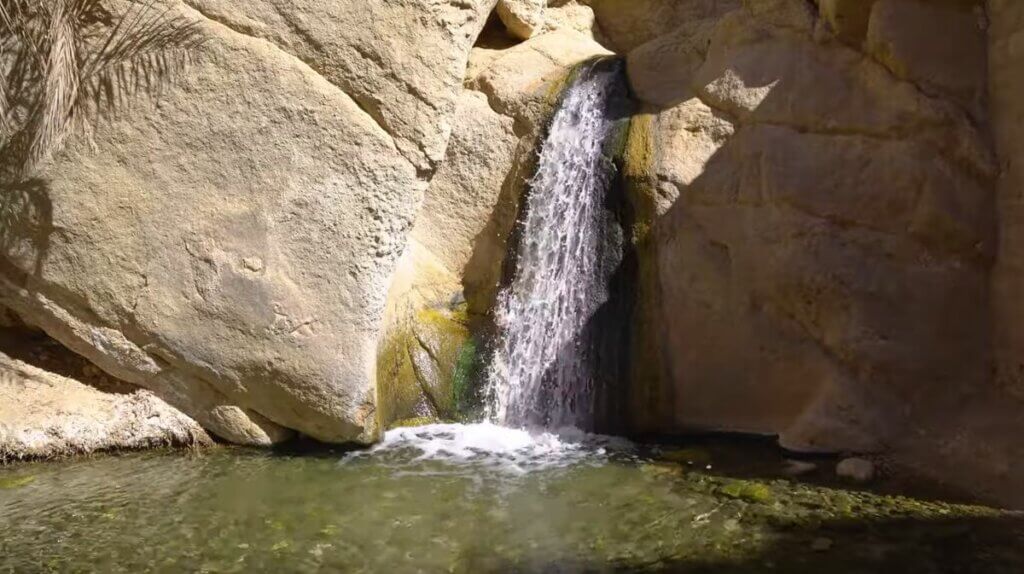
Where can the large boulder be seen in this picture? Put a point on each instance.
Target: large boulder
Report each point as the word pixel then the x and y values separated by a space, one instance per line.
pixel 628 24
pixel 464 193
pixel 229 246
pixel 803 197
pixel 45 415
pixel 402 61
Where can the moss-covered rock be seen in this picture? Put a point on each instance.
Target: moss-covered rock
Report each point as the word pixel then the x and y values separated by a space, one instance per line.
pixel 427 369
pixel 748 491
pixel 13 482
pixel 650 402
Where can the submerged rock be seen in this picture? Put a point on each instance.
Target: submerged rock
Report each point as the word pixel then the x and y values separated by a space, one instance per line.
pixel 748 491
pixel 856 469
pixel 799 468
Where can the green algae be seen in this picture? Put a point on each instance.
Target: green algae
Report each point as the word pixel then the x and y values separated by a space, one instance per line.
pixel 466 379
pixel 11 483
pixel 650 401
pixel 749 491
pixel 429 369
pixel 399 396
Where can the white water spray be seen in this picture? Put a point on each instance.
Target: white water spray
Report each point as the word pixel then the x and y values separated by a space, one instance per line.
pixel 540 373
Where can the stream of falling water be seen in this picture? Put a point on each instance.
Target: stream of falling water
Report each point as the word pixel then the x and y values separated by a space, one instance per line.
pixel 541 373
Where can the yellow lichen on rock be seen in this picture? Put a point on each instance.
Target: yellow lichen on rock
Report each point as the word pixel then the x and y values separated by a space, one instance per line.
pixel 418 368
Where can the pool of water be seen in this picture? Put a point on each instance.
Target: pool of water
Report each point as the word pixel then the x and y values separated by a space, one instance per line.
pixel 477 498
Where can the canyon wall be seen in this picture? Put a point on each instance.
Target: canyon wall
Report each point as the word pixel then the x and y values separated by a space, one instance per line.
pixel 829 200
pixel 825 180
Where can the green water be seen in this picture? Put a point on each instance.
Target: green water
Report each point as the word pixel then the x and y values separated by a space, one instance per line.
pixel 233 510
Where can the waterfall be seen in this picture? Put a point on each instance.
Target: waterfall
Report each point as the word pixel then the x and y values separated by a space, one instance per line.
pixel 543 368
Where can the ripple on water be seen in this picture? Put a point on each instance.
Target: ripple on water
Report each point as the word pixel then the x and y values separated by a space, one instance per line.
pixel 475 499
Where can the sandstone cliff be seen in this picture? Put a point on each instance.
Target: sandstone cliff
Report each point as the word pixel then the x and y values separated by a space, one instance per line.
pixel 829 196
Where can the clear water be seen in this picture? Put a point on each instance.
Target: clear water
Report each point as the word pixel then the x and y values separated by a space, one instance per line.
pixel 476 499
pixel 539 375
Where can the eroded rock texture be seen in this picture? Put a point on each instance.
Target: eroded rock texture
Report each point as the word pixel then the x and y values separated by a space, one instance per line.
pixel 229 244
pixel 824 181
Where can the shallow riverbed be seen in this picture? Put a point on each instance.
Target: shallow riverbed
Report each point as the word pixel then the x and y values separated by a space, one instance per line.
pixel 477 499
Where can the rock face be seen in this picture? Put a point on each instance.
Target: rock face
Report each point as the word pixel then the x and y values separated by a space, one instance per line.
pixel 45 415
pixel 628 24
pixel 459 243
pixel 990 439
pixel 1006 58
pixel 522 18
pixel 810 170
pixel 229 246
pixel 812 193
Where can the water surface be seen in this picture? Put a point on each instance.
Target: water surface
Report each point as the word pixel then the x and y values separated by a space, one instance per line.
pixel 452 498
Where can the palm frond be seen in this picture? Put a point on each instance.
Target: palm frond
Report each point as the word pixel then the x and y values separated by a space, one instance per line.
pixel 61 58
pixel 5 105
pixel 56 109
pixel 146 46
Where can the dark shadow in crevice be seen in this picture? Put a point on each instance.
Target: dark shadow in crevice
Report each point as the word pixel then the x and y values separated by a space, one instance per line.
pixel 35 348
pixel 495 36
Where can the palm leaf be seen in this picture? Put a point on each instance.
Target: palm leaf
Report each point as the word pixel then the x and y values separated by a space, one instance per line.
pixel 146 47
pixel 55 111
pixel 60 58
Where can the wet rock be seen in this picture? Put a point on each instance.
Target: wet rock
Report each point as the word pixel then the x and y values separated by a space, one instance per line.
pixel 796 468
pixel 427 369
pixel 856 469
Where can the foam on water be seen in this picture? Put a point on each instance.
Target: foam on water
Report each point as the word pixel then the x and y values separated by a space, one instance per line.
pixel 492 447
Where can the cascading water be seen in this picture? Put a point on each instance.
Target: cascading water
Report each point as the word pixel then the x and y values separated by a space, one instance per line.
pixel 542 371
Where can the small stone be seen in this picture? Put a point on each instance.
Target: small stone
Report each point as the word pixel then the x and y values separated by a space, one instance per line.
pixel 799 468
pixel 821 545
pixel 856 469
pixel 522 18
pixel 254 264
